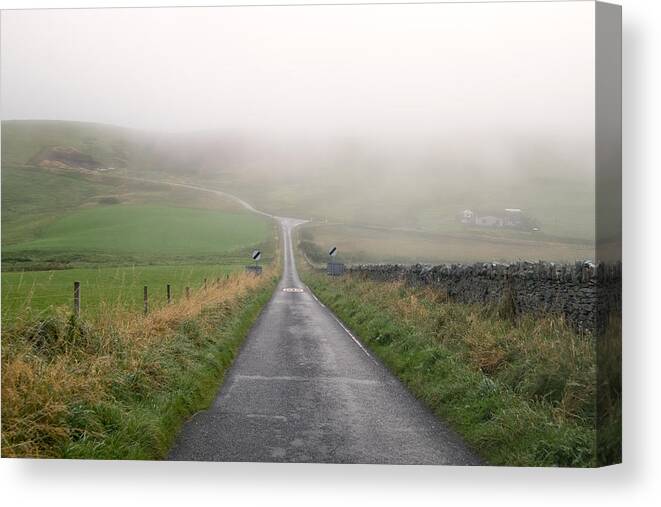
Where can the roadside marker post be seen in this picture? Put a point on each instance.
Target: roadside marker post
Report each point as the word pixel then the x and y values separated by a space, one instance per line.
pixel 169 293
pixel 334 268
pixel 187 292
pixel 255 269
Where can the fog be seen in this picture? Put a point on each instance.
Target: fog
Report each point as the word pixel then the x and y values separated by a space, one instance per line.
pixel 414 104
pixel 404 72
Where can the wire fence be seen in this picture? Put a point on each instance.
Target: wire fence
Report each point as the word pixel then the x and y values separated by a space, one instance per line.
pixel 36 292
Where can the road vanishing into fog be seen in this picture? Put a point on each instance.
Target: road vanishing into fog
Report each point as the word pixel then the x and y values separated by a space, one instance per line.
pixel 304 389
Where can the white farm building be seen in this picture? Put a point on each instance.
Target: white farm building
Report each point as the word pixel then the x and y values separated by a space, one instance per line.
pixel 509 217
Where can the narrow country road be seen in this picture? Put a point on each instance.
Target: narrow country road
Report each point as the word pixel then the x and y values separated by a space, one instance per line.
pixel 303 389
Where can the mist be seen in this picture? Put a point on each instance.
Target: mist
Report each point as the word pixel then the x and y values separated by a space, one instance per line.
pixel 423 107
pixel 397 71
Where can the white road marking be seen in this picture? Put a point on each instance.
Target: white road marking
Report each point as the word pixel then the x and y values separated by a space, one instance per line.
pixel 346 330
pixel 292 289
pixel 354 339
pixel 317 300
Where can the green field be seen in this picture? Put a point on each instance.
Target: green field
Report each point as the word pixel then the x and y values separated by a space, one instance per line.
pixel 37 291
pixel 33 198
pixel 148 230
pixel 53 220
pixel 374 245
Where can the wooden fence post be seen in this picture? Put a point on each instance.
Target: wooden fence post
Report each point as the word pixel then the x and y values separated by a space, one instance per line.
pixel 169 293
pixel 205 283
pixel 187 292
pixel 76 299
pixel 146 300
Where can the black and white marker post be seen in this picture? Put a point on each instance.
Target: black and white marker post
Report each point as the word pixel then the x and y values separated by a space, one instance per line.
pixel 334 268
pixel 255 269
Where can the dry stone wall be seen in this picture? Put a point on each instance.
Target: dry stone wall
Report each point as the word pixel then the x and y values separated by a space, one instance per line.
pixel 584 293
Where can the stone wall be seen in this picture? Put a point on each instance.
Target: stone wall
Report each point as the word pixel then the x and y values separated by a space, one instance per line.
pixel 584 293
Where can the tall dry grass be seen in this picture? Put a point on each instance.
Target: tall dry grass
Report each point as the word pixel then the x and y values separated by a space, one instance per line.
pixel 60 373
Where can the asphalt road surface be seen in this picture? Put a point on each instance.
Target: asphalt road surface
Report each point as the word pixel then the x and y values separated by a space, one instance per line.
pixel 304 389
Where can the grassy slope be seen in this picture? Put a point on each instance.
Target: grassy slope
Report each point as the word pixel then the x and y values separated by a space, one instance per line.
pixel 32 199
pixel 54 220
pixel 111 146
pixel 148 230
pixel 521 393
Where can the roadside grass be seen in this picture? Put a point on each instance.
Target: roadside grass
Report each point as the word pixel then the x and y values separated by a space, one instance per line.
pixel 119 385
pixel 522 393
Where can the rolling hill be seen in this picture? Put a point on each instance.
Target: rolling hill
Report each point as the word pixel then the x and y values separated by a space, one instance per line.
pixel 68 201
pixel 50 168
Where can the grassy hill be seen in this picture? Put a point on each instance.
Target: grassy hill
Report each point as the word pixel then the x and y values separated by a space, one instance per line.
pixel 66 218
pixel 67 201
pixel 358 198
pixel 74 218
pixel 111 146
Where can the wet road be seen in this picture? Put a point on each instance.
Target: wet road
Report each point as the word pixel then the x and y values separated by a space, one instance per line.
pixel 303 389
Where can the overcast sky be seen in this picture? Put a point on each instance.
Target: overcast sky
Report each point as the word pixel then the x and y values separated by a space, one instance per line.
pixel 521 68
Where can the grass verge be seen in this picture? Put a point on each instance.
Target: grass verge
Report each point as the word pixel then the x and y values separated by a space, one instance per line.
pixel 522 392
pixel 120 386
